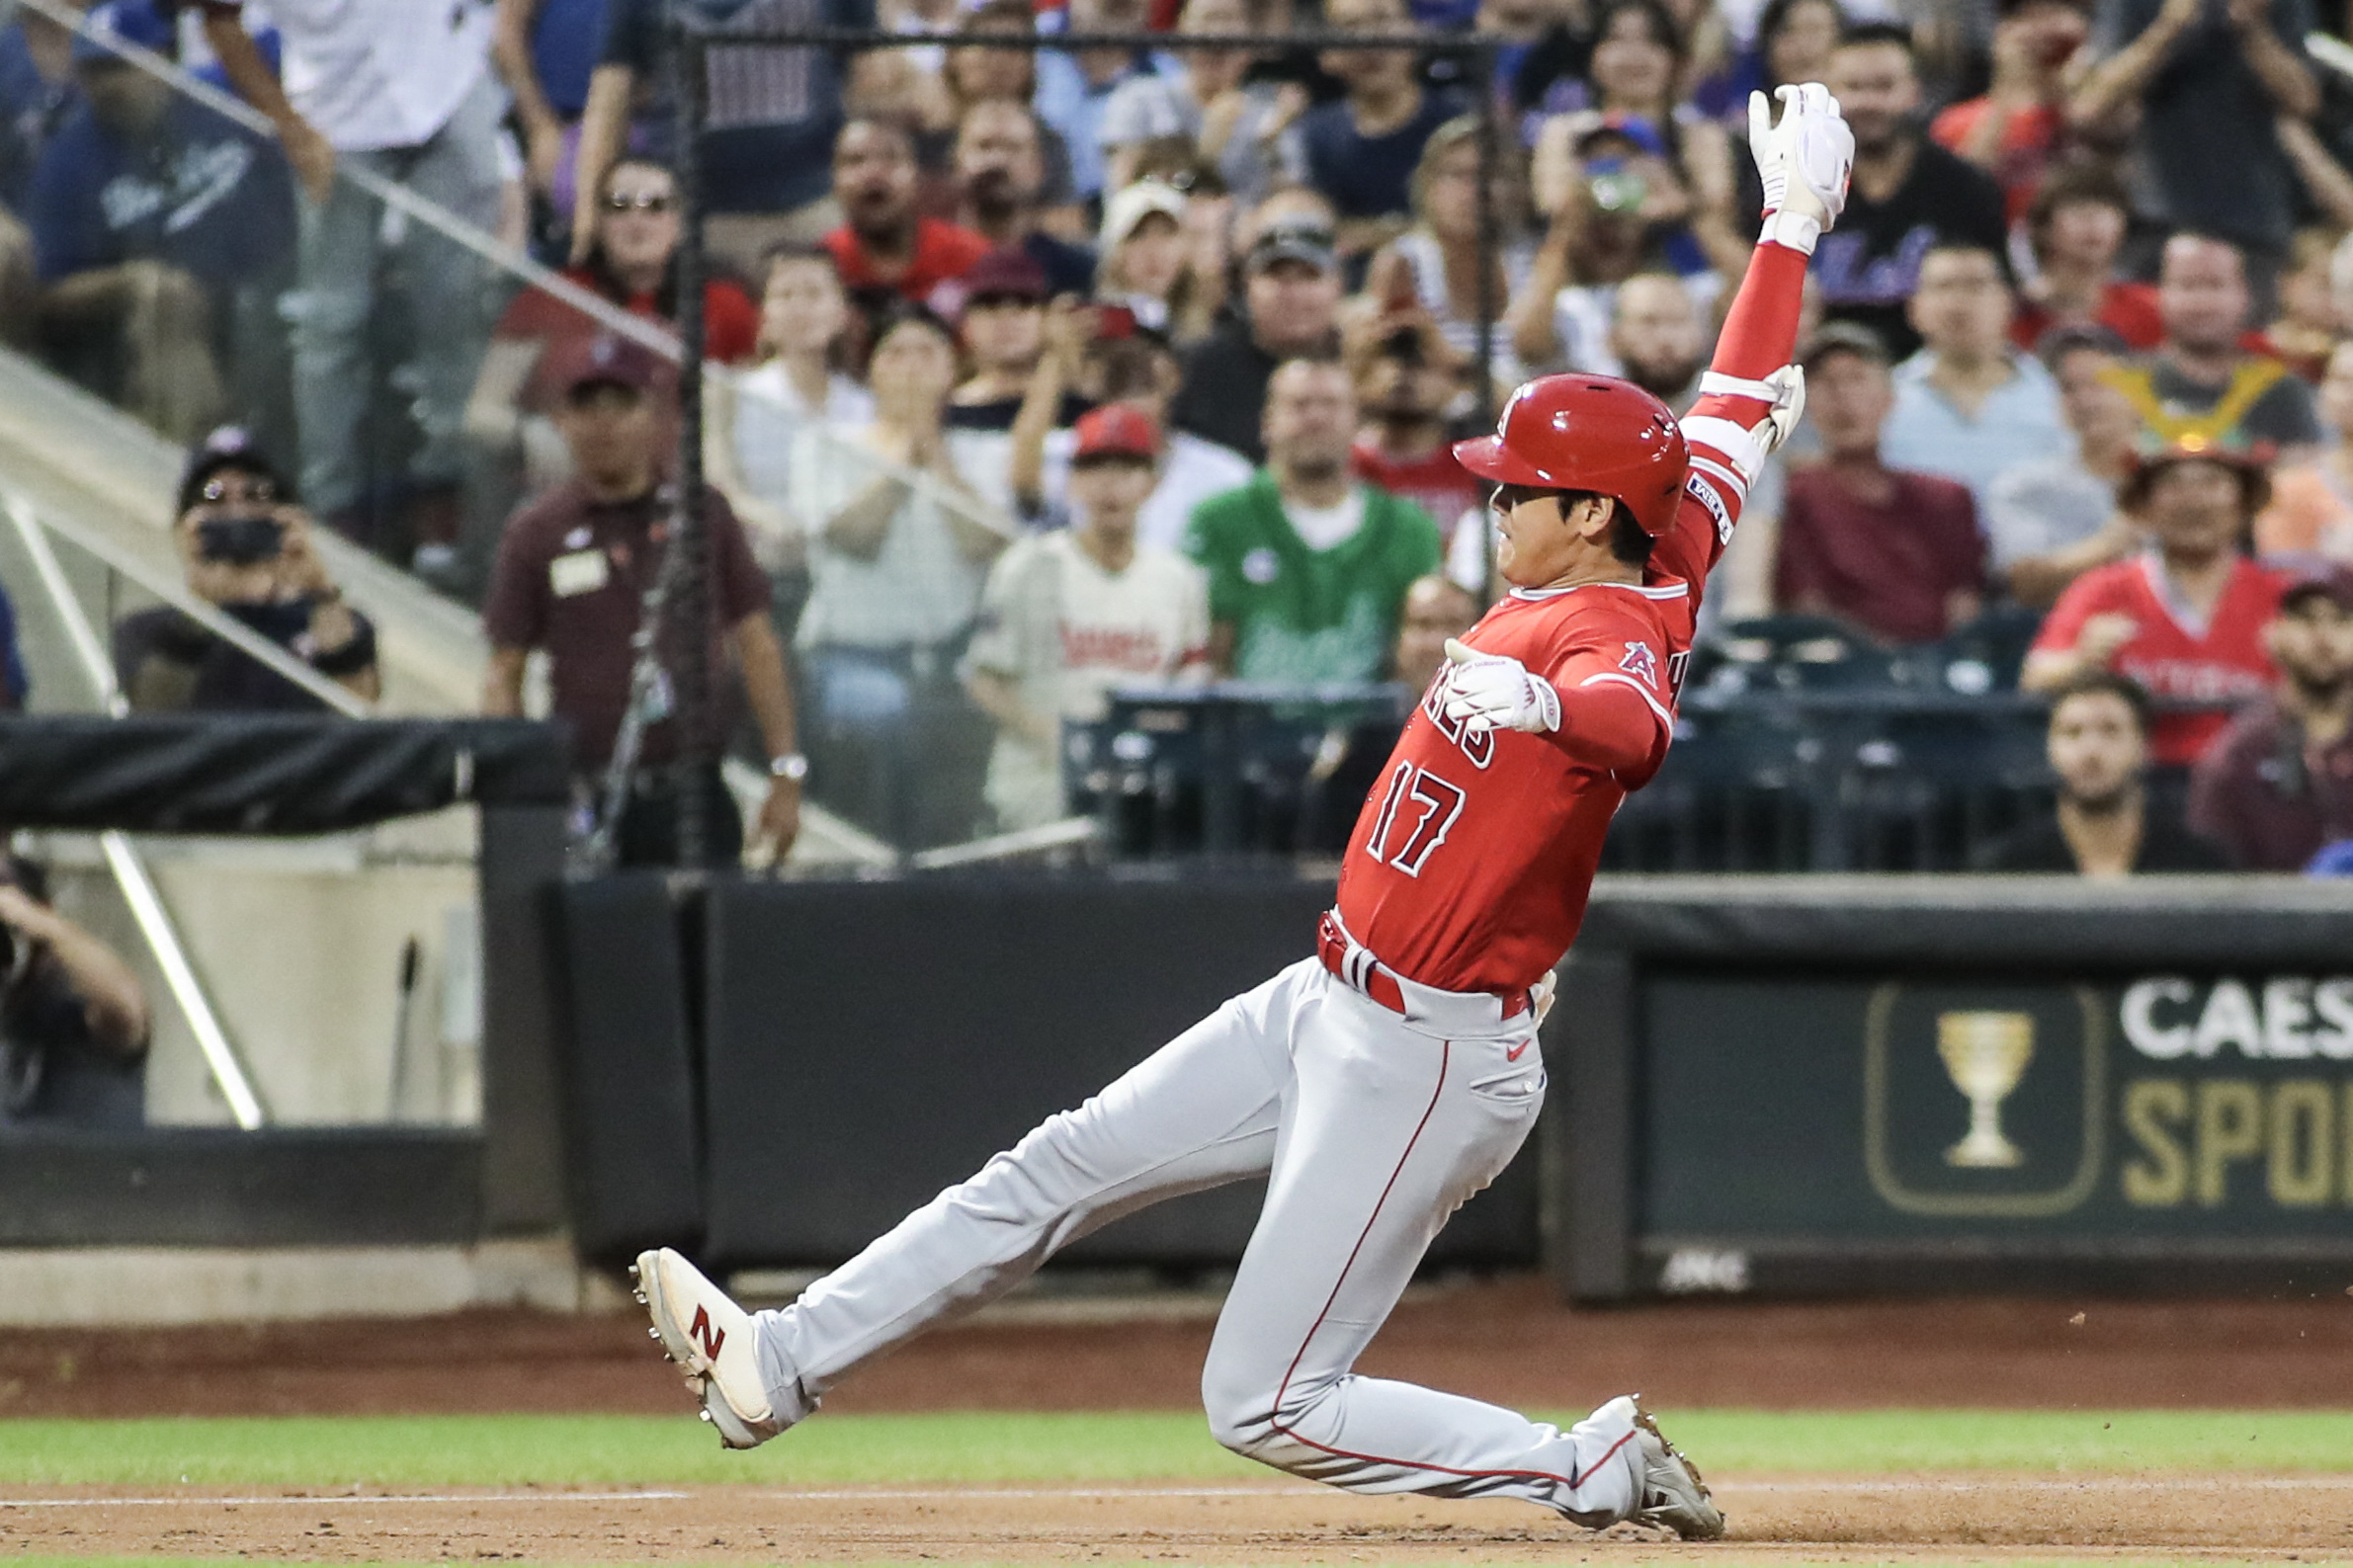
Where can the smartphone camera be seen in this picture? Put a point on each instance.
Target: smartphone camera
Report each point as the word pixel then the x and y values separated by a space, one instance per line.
pixel 239 541
pixel 1616 189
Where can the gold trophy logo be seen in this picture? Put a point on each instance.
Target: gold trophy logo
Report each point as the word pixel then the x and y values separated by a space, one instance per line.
pixel 1986 1054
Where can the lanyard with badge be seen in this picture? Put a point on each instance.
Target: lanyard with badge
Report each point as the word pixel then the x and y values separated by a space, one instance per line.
pixel 651 698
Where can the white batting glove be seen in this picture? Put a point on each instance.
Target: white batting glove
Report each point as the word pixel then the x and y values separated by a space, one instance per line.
pixel 1539 996
pixel 1802 162
pixel 1489 690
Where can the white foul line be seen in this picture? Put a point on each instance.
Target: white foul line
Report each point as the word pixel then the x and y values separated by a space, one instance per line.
pixel 2211 1482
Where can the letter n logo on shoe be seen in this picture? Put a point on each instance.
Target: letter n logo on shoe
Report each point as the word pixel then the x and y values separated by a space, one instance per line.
pixel 710 1339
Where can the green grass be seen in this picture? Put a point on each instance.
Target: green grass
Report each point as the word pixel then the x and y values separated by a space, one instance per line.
pixel 429 1451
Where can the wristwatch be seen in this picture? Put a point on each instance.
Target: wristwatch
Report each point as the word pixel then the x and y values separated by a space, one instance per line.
pixel 791 765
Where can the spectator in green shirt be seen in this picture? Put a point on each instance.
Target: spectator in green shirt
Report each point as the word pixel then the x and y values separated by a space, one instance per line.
pixel 1307 565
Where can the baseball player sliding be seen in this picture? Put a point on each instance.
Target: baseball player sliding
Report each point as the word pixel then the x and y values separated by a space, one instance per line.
pixel 1381 1084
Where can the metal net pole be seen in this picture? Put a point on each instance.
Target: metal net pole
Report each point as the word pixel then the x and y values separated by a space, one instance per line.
pixel 689 608
pixel 1489 161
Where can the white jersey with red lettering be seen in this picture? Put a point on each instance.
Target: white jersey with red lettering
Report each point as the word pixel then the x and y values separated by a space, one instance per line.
pixel 1377 1086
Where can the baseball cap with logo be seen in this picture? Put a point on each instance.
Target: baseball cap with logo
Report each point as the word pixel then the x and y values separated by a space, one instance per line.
pixel 1116 429
pixel 606 359
pixel 1294 241
pixel 231 447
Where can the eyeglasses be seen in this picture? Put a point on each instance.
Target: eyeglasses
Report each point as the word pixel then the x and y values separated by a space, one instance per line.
pixel 648 202
pixel 254 490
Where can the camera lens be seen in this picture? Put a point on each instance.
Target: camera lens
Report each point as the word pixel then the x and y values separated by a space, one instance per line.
pixel 239 541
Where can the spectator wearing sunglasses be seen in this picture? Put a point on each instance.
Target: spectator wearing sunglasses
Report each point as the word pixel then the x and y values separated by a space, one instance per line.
pixel 632 262
pixel 248 551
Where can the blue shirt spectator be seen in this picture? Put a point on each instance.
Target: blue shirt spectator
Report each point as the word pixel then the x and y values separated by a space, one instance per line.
pixel 1361 149
pixel 137 172
pixel 1369 176
pixel 773 112
pixel 1969 406
pixel 33 102
pixel 564 35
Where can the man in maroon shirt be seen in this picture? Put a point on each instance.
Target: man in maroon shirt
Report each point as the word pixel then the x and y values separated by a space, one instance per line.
pixel 883 245
pixel 2278 784
pixel 572 571
pixel 1893 553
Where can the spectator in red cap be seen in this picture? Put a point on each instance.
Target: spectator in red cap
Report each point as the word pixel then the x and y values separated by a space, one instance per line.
pixel 883 246
pixel 572 574
pixel 2186 618
pixel 1068 616
pixel 2278 784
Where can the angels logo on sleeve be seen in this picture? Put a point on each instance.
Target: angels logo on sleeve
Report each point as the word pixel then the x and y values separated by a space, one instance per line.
pixel 1641 663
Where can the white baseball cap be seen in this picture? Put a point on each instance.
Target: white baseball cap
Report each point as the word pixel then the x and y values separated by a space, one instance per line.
pixel 1136 203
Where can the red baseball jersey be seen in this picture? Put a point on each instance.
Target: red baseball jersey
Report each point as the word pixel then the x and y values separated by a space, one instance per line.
pixel 2175 654
pixel 1473 859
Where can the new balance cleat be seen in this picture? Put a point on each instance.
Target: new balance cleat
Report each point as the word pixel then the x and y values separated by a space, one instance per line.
pixel 714 1339
pixel 1673 1495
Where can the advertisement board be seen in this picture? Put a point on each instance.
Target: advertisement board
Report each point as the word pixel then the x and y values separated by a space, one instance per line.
pixel 1946 1090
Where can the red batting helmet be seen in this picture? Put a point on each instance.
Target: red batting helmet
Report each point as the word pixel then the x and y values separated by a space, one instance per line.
pixel 1588 433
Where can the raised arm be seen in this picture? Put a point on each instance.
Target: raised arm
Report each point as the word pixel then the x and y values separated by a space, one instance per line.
pixel 1751 396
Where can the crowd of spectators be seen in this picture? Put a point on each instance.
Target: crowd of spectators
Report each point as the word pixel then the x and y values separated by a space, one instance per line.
pixel 1039 372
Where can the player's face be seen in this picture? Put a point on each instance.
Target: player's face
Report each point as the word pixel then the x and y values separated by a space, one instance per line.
pixel 2095 746
pixel 1538 541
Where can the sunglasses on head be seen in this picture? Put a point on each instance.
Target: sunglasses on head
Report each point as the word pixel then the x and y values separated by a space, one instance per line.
pixel 645 201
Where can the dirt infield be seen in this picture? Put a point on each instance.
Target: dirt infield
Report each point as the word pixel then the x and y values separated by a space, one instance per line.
pixel 1924 1518
pixel 1507 1339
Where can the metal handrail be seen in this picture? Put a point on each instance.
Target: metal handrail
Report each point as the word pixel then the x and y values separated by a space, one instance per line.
pixel 342 699
pixel 650 334
pixel 122 857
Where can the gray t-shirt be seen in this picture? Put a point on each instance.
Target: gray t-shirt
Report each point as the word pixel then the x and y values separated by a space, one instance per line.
pixel 2042 506
pixel 2213 160
pixel 2285 415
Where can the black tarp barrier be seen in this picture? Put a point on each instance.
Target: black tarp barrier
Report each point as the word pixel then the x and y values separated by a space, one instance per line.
pixel 265 774
pixel 864 1045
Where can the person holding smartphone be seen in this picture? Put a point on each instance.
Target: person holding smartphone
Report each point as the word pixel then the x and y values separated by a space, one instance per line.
pixel 249 551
